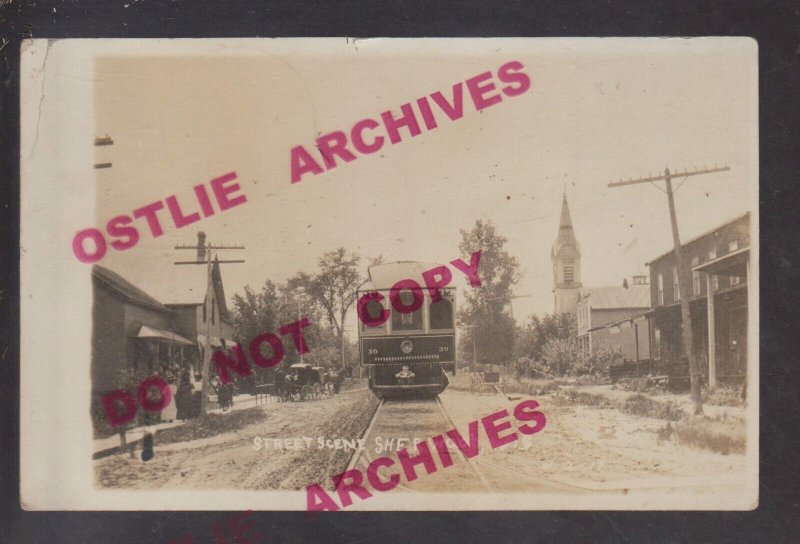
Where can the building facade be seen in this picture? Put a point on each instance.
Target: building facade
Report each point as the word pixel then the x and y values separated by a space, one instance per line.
pixel 598 307
pixel 566 257
pixel 719 262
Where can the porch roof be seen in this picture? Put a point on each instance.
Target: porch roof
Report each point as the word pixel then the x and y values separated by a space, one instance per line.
pixel 730 264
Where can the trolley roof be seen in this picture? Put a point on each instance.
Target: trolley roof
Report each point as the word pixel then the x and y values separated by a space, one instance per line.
pixel 383 276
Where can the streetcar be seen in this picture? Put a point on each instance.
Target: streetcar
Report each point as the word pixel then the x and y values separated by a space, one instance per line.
pixel 407 353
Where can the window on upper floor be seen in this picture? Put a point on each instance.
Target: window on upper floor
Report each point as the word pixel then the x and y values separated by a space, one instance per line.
pixel 712 254
pixel 676 286
pixel 733 245
pixel 715 282
pixel 735 280
pixel 661 289
pixel 696 286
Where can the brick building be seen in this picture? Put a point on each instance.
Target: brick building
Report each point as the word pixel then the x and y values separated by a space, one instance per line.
pixel 720 262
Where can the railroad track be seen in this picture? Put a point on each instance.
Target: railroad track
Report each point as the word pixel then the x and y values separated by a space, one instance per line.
pixel 396 424
pixel 423 419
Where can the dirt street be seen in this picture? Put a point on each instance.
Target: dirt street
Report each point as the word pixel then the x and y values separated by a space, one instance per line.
pixel 231 461
pixel 595 448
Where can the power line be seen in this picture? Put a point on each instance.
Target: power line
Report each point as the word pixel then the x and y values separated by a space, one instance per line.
pixel 683 280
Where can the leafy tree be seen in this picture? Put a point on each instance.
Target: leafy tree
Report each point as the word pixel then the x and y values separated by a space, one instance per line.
pixel 537 332
pixel 561 356
pixel 485 316
pixel 333 287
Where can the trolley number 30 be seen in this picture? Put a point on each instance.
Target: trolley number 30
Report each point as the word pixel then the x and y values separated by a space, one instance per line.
pixel 444 349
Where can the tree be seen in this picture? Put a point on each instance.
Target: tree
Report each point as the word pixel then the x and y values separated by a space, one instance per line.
pixel 537 332
pixel 276 305
pixel 485 315
pixel 333 288
pixel 561 356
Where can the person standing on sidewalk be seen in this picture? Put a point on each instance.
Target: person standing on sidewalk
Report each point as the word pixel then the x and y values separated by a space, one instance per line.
pixel 170 413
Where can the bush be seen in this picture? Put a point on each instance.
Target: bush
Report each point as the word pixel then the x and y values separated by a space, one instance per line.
pixel 641 405
pixel 642 384
pixel 723 435
pixel 573 396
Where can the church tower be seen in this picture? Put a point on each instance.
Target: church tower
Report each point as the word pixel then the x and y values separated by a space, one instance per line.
pixel 566 257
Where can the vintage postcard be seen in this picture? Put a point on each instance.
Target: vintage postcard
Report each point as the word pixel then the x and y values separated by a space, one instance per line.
pixel 389 274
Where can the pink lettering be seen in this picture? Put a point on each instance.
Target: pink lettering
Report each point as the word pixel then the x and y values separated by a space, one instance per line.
pixel 111 407
pixel 222 192
pixel 471 269
pixel 518 81
pixel 393 125
pixel 332 145
pixel 397 300
pixel 115 227
pixel 363 311
pixel 205 202
pixel 423 458
pixel 238 363
pixel 469 450
pixel 317 500
pixel 178 218
pixel 277 350
pixel 164 398
pixel 493 430
pixel 526 411
pixel 296 330
pixel 433 284
pixel 375 481
pixel 357 136
pixel 456 110
pixel 302 163
pixel 100 246
pixel 149 213
pixel 478 92
pixel 427 114
pixel 354 486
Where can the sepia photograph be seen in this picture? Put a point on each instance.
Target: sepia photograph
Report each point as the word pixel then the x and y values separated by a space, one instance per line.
pixel 390 274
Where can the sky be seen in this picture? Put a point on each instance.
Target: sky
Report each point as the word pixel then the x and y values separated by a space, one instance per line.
pixel 597 110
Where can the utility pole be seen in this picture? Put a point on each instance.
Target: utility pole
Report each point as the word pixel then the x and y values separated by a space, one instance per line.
pixel 683 273
pixel 204 257
pixel 343 361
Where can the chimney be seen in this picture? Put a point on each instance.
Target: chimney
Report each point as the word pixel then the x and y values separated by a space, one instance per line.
pixel 201 247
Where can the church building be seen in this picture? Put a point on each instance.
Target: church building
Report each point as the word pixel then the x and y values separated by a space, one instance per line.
pixel 566 257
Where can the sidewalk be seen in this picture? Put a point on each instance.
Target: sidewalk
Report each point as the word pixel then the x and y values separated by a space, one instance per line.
pixel 103 447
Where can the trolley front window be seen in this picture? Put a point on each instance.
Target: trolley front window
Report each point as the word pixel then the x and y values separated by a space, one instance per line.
pixel 374 310
pixel 411 321
pixel 441 314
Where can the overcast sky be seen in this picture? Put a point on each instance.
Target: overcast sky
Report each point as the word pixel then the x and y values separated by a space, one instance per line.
pixel 596 111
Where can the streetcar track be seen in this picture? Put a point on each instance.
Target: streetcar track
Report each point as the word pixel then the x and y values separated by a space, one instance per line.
pixel 469 463
pixel 363 457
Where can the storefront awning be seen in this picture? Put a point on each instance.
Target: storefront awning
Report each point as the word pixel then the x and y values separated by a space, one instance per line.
pixel 158 334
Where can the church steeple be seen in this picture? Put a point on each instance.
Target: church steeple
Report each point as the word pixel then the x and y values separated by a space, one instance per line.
pixel 566 257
